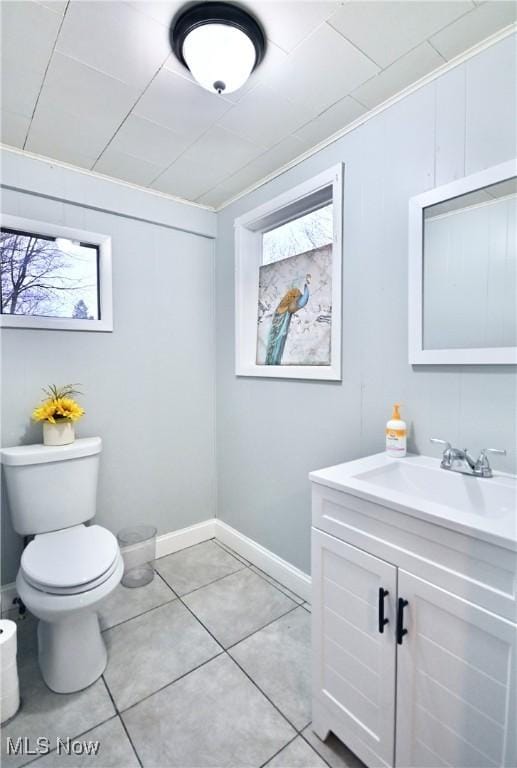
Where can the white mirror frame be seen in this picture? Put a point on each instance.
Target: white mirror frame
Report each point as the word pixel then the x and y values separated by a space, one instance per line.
pixel 417 354
pixel 38 322
pixel 248 258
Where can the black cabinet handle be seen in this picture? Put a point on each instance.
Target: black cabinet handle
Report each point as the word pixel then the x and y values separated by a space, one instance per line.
pixel 400 620
pixel 382 621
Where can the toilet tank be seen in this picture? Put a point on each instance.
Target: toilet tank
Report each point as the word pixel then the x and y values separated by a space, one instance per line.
pixel 51 487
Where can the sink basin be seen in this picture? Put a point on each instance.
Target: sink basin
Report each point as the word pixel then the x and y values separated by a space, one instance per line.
pixel 416 485
pixel 493 496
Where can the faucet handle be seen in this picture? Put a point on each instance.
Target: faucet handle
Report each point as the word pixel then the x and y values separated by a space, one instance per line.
pixel 482 466
pixel 447 452
pixel 439 441
pixel 500 451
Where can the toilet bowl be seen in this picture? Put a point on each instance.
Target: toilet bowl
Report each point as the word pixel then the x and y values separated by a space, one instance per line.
pixel 69 567
pixel 63 578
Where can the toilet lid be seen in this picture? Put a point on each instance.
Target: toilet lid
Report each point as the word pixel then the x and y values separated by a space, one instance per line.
pixel 72 557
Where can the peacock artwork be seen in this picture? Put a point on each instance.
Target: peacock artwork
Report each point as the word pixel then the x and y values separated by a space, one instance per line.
pixel 295 309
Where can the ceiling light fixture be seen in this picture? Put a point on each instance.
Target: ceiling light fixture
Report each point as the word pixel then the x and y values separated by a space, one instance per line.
pixel 220 43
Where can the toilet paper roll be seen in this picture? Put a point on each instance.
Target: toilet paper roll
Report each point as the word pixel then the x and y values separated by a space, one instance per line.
pixel 8 642
pixel 8 679
pixel 9 704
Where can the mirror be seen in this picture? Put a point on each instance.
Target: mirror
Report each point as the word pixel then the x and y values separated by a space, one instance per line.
pixel 463 270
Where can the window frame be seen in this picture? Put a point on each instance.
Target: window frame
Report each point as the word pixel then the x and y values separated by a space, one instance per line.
pixel 326 186
pixel 104 278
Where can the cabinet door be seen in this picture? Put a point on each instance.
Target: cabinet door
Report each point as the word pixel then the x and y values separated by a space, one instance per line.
pixel 353 662
pixel 455 682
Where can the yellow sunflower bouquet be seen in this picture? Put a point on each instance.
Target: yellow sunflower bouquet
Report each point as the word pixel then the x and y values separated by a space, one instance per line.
pixel 59 405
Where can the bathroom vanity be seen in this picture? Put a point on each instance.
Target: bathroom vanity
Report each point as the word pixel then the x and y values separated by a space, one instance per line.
pixel 414 573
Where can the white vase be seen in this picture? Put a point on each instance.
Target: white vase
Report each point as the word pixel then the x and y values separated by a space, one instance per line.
pixel 61 433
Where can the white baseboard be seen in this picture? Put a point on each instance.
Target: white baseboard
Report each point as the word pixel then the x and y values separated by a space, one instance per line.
pixel 287 574
pixel 171 542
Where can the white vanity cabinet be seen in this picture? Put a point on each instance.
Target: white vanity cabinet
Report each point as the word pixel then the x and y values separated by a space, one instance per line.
pixel 414 636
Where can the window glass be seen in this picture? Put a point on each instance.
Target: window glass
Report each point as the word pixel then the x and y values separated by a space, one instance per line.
pixel 48 277
pixel 312 230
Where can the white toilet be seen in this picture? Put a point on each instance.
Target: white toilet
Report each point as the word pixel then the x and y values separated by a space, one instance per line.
pixel 68 568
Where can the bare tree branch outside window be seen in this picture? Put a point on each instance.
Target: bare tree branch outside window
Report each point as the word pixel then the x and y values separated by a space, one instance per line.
pixel 48 277
pixel 312 230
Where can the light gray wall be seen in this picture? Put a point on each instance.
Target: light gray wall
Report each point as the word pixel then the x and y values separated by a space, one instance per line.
pixel 271 433
pixel 148 386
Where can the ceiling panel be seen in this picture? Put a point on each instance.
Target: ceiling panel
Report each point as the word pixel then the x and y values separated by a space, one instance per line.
pixel 180 104
pixel 287 24
pixel 95 83
pixel 188 178
pixel 56 133
pixel 58 6
pixel 375 27
pixel 222 151
pixel 115 39
pixel 149 141
pixel 474 26
pixel 159 10
pixel 333 119
pixel 83 91
pixel 323 69
pixel 28 34
pixel 14 128
pixel 285 151
pixel 29 31
pixel 414 65
pixel 264 116
pixel 123 166
pixel 20 88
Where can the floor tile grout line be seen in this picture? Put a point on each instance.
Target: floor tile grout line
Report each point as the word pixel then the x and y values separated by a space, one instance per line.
pixel 117 714
pixel 122 712
pixel 257 686
pixel 219 578
pixel 263 765
pixel 247 564
pixel 223 650
pixel 274 582
pixel 232 552
pixel 295 605
pixel 313 747
pixel 199 620
pixel 264 626
pixel 126 731
pixel 259 572
pixel 142 613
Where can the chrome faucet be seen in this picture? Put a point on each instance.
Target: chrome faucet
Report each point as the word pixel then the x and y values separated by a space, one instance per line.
pixel 458 460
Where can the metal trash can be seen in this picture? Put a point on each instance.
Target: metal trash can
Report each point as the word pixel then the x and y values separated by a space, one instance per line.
pixel 138 547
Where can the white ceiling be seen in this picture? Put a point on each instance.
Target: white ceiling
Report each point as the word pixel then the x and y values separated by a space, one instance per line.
pixel 93 83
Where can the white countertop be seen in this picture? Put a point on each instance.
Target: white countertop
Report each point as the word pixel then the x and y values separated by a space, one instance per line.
pixel 485 508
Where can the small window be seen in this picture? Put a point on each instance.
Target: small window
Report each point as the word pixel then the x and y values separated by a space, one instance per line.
pixel 54 277
pixel 288 283
pixel 312 230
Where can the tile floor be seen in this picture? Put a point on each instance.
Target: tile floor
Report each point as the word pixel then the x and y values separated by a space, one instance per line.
pixel 209 665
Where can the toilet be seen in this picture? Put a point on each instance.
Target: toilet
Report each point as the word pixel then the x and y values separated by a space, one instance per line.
pixel 68 568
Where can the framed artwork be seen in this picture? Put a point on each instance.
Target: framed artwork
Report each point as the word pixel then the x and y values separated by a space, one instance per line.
pixel 294 318
pixel 288 256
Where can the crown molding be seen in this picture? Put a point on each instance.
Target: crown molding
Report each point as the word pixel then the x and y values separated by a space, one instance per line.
pixel 96 175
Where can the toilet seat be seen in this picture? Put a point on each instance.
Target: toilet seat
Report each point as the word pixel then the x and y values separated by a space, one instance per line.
pixel 70 561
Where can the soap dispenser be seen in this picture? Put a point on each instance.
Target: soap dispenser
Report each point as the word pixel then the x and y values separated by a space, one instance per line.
pixel 396 434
